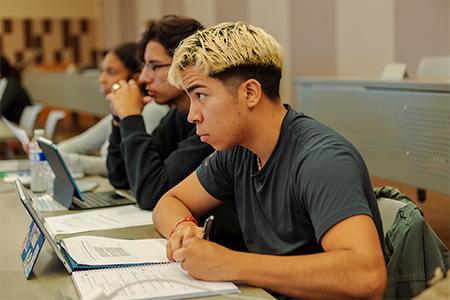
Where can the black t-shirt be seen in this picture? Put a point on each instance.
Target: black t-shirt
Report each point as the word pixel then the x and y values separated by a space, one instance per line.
pixel 313 179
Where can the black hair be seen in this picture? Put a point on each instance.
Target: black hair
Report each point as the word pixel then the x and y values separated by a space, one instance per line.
pixel 269 76
pixel 169 31
pixel 5 67
pixel 127 54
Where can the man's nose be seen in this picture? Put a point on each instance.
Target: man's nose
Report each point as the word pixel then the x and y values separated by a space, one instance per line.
pixel 194 115
pixel 144 76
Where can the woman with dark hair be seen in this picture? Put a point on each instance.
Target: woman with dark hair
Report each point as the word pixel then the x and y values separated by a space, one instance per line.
pixel 13 97
pixel 88 150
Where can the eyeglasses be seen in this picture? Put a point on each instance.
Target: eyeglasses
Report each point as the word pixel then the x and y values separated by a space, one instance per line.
pixel 151 67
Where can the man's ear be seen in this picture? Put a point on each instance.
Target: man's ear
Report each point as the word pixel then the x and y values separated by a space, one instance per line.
pixel 251 92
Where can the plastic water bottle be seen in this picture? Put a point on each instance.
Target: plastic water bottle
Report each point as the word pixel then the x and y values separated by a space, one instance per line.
pixel 38 165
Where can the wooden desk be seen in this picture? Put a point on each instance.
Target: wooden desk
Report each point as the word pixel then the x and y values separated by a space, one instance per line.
pixel 50 279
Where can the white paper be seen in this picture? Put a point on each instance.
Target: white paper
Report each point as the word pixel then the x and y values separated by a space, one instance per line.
pixel 95 251
pixel 166 281
pixel 99 219
pixel 20 133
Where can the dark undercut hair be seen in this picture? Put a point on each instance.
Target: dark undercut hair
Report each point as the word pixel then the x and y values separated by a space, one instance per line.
pixel 169 31
pixel 268 76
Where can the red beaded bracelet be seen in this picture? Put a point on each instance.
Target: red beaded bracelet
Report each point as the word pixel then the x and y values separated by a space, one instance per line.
pixel 185 219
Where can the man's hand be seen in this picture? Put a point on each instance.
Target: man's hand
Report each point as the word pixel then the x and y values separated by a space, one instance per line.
pixel 182 232
pixel 126 100
pixel 206 260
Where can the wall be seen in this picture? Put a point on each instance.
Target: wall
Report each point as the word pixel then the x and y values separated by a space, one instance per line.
pixel 50 32
pixel 49 8
pixel 364 37
pixel 422 28
pixel 347 38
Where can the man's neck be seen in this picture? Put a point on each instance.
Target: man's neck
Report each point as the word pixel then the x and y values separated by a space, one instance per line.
pixel 264 129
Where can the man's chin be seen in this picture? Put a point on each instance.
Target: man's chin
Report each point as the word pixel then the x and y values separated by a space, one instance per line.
pixel 218 147
pixel 160 101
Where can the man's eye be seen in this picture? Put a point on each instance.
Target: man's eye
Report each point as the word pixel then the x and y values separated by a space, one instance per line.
pixel 200 96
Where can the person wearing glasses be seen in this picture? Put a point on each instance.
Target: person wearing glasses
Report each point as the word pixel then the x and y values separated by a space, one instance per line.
pixel 150 164
pixel 86 153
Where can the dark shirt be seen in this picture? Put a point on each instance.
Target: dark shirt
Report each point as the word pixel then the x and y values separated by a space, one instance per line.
pixel 313 179
pixel 14 100
pixel 150 164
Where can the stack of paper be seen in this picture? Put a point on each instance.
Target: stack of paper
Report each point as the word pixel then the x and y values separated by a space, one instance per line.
pixel 161 281
pixel 98 219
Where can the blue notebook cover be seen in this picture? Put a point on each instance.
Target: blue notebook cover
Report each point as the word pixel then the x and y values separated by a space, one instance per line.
pixel 31 247
pixel 78 267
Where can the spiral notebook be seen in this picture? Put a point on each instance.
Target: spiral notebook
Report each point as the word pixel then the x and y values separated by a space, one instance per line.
pixel 149 281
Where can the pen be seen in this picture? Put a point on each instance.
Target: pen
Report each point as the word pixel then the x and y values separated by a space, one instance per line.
pixel 207 227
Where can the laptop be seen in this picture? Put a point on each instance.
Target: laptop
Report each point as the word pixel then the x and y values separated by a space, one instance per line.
pixel 26 201
pixel 66 190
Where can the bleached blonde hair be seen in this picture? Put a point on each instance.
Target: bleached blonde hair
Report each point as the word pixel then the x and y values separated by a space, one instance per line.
pixel 214 50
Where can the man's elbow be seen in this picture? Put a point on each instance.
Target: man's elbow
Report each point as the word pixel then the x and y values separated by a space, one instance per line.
pixel 158 215
pixel 372 283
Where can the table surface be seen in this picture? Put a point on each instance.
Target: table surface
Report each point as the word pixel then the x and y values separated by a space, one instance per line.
pixel 50 279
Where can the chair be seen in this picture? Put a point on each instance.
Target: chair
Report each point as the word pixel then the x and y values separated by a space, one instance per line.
pixel 388 211
pixel 412 250
pixel 434 67
pixel 52 119
pixel 29 116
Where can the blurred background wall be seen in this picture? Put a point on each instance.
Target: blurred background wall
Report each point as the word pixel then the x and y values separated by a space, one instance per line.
pixel 347 38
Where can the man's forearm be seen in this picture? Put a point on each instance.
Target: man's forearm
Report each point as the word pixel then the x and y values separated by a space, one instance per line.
pixel 336 274
pixel 167 213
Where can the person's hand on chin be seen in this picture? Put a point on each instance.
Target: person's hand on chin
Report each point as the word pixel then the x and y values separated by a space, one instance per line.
pixel 125 99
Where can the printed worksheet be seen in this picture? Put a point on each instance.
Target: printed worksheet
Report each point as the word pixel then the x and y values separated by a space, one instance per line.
pixel 99 219
pixel 95 251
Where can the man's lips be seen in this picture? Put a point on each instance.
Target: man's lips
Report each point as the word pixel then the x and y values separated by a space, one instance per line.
pixel 203 136
pixel 151 93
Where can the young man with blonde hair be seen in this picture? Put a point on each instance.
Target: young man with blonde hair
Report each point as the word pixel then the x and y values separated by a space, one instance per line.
pixel 303 194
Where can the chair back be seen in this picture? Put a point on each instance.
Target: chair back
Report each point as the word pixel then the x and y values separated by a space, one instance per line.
pixel 388 211
pixel 29 116
pixel 437 67
pixel 52 119
pixel 412 249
